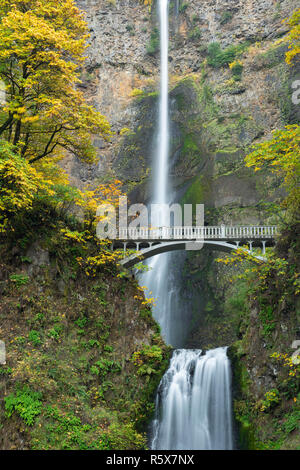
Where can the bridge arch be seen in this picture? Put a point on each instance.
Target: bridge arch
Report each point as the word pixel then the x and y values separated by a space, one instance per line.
pixel 165 247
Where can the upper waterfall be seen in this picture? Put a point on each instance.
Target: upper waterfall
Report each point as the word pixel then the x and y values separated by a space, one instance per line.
pixel 160 194
pixel 156 279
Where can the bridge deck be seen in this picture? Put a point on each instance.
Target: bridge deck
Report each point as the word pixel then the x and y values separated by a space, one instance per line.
pixel 151 242
pixel 222 233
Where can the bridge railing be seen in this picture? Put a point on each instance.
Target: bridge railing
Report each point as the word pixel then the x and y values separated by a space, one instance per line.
pixel 199 233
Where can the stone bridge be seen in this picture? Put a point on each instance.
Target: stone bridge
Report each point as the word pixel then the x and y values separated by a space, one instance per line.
pixel 148 242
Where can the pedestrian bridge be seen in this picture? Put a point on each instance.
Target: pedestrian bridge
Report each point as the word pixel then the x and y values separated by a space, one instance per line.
pixel 148 242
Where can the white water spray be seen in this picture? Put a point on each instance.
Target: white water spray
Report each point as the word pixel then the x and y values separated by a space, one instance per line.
pixel 193 408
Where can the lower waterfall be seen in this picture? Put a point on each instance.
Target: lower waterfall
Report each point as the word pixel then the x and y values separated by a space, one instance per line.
pixel 193 404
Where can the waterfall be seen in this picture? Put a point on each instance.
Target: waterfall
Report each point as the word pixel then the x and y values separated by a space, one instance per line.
pixel 161 161
pixel 156 279
pixel 193 406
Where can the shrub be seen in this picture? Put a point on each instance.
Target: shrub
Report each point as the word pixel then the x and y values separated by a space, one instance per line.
pixel 195 34
pixel 147 359
pixel 35 337
pixel 136 92
pixel 104 366
pixel 55 332
pixel 218 57
pixel 272 399
pixel 292 422
pixel 153 45
pixel 26 403
pixel 226 17
pixel 236 68
pixel 19 279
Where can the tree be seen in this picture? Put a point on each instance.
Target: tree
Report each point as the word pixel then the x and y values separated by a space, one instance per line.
pixel 293 37
pixel 281 155
pixel 42 46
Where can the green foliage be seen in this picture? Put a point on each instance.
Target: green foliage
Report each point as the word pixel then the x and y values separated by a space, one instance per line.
pixel 4 371
pixel 183 7
pixel 146 313
pixel 147 359
pixel 92 343
pixel 35 337
pixel 125 437
pixel 55 332
pixel 104 366
pixel 218 58
pixel 153 45
pixel 66 431
pixel 293 38
pixel 26 403
pixel 280 155
pixel 195 34
pixel 272 398
pixel 266 316
pixel 196 192
pixel 270 58
pixel 189 144
pixel 291 422
pixel 81 322
pixel 226 16
pixel 19 279
pixel 236 68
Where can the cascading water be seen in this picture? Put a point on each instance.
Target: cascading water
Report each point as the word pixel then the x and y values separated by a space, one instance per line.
pixel 193 405
pixel 156 278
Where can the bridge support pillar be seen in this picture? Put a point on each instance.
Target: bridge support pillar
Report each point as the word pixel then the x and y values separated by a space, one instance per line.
pixel 264 247
pixel 237 243
pixel 125 246
pixel 250 246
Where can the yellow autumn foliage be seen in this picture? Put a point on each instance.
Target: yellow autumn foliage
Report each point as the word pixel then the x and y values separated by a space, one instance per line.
pixel 281 155
pixel 293 37
pixel 42 47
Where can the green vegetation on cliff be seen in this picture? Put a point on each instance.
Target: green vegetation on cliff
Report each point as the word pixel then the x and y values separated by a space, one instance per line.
pixel 83 357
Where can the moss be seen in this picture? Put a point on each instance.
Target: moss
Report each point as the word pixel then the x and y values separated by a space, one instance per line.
pixel 196 192
pixel 242 411
pixel 189 144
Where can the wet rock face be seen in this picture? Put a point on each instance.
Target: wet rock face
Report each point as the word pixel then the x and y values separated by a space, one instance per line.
pixel 123 61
